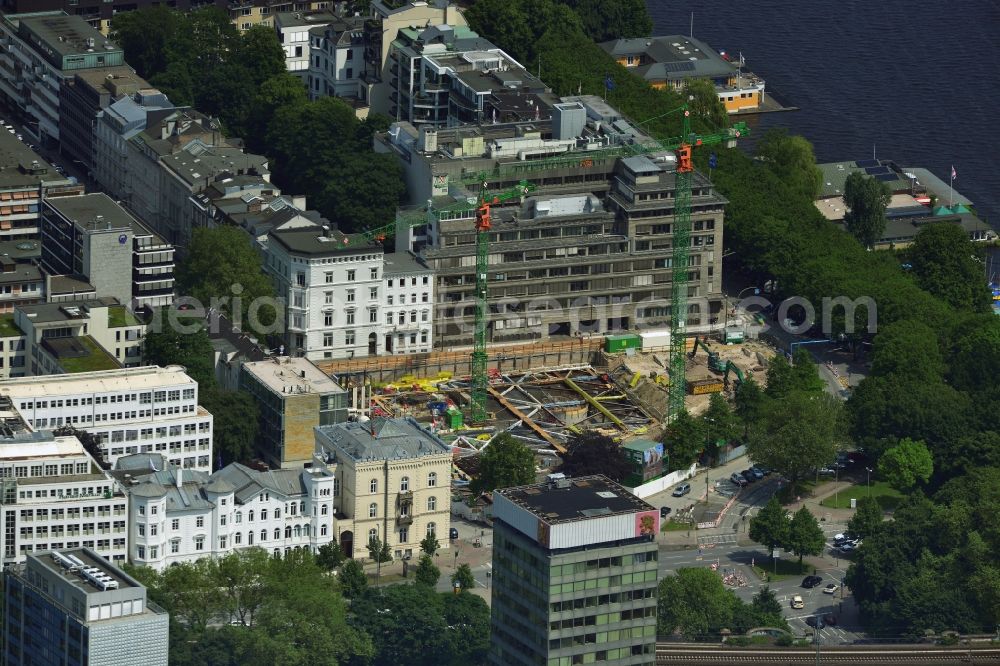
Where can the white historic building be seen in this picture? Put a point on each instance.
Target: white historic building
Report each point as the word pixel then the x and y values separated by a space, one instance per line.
pixel 332 284
pixel 178 515
pixel 55 496
pixel 130 410
pixel 408 304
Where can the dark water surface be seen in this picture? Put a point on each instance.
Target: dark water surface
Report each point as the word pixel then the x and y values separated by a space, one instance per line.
pixel 918 79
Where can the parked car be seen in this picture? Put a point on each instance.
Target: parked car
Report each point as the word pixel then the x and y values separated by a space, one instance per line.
pixel 827 471
pixel 748 475
pixel 757 473
pixel 831 588
pixel 664 511
pixel 830 620
pixel 847 547
pixel 681 490
pixel 815 621
pixel 738 479
pixel 797 602
pixel 453 533
pixel 811 581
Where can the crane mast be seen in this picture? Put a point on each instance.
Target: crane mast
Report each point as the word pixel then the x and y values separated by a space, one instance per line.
pixel 679 271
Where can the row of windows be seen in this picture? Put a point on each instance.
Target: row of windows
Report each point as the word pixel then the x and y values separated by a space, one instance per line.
pixel 603 582
pixel 373 508
pixel 603 655
pixel 404 483
pixel 603 637
pixel 143 398
pixel 64 469
pixel 602 600
pixel 71 530
pixel 603 563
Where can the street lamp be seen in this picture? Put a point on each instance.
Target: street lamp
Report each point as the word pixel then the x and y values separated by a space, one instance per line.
pixel 869 482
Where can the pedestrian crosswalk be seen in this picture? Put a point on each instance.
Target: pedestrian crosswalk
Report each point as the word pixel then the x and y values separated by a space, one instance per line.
pixel 716 539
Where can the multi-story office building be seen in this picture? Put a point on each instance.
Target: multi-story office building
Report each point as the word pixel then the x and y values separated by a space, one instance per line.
pixel 72 607
pixel 42 52
pixel 408 304
pixel 92 236
pixel 445 76
pixel 293 396
pixel 181 515
pixel 56 496
pixel 393 481
pixel 574 575
pixel 293 30
pixel 79 336
pixel 21 283
pixel 130 410
pixel 332 284
pixel 24 181
pixel 589 250
pixel 83 98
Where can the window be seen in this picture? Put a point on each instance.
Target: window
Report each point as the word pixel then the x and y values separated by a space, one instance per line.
pixel 288 531
pixel 239 516
pixel 350 295
pixel 431 529
pixel 175 546
pixel 373 293
pixel 404 535
pixel 351 275
pixel 424 297
pixel 373 510
pixel 199 521
pixel 404 484
pixel 263 514
pixel 373 486
pixel 328 339
pixel 374 271
pixel 199 543
pixel 328 319
pixel 372 316
pixel 263 535
pixel 432 503
pixel 140 553
pixel 237 538
pixel 329 279
pixel 424 316
pixel 322 530
pixel 349 317
pixel 277 533
pixel 328 297
pixel 175 524
pixel 372 534
pixel 141 529
pixel 432 479
pixel 349 336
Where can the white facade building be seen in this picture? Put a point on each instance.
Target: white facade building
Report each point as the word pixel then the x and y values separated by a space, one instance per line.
pixel 333 286
pixel 130 410
pixel 408 304
pixel 181 516
pixel 56 496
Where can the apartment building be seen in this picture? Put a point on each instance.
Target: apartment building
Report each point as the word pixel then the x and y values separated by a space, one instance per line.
pixel 21 281
pixel 91 236
pixel 444 75
pixel 246 14
pixel 82 98
pixel 574 575
pixel 332 284
pixel 293 396
pixel 79 336
pixel 179 515
pixel 56 496
pixel 130 410
pixel 392 481
pixel 588 250
pixel 25 180
pixel 42 51
pixel 408 304
pixel 73 607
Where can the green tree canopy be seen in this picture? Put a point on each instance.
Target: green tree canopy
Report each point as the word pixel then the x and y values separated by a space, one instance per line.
pixel 867 199
pixel 770 526
pixel 429 544
pixel 791 158
pixel 805 537
pixel 222 269
pixel 867 519
pixel 797 434
pixel 695 603
pixel 463 578
pixel 427 573
pixel 684 440
pixel 590 452
pixel 719 420
pixel 944 263
pixel 353 580
pixel 906 464
pixel 706 102
pixel 330 556
pixel 505 463
pixel 236 424
pixel 166 344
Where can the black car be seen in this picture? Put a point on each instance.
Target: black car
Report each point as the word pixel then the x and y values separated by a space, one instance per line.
pixel 811 581
pixel 812 621
pixel 664 511
pixel 749 476
pixel 453 533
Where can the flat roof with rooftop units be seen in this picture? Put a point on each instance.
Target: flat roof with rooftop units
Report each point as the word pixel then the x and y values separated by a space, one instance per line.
pixel 22 167
pixel 94 212
pixel 290 375
pixel 108 381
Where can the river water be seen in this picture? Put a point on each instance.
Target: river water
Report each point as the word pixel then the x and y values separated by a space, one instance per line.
pixel 916 79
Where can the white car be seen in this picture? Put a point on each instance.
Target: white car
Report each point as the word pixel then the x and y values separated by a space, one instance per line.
pixel 831 588
pixel 797 602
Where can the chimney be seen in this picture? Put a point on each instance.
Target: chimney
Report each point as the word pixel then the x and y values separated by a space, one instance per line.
pixel 179 476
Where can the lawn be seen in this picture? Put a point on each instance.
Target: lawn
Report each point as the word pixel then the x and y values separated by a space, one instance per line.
pixel 887 496
pixel 96 359
pixel 674 526
pixel 787 567
pixel 119 317
pixel 8 328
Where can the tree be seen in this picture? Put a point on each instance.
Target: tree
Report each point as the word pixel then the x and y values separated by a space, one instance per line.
pixel 719 421
pixel 505 463
pixel 390 614
pixel 805 537
pixel 867 519
pixel 866 198
pixel 975 362
pixel 749 400
pixel 222 270
pixel 285 89
pixel 770 526
pixel 684 440
pixel 706 102
pixel 463 578
pixel 166 345
pixel 783 377
pixel 242 578
pixel 791 158
pixel 427 573
pixel 906 464
pixel 943 261
pixel 695 603
pixel 590 452
pixel 767 607
pixel 909 348
pixel 189 591
pixel 362 191
pixel 469 617
pixel 797 434
pixel 378 551
pixel 144 34
pixel 330 556
pixel 236 424
pixel 353 580
pixel 430 544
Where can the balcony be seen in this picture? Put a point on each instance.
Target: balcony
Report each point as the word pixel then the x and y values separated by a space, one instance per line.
pixel 403 520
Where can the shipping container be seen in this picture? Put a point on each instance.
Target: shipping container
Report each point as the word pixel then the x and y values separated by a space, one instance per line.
pixel 614 344
pixel 703 386
pixel 653 341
